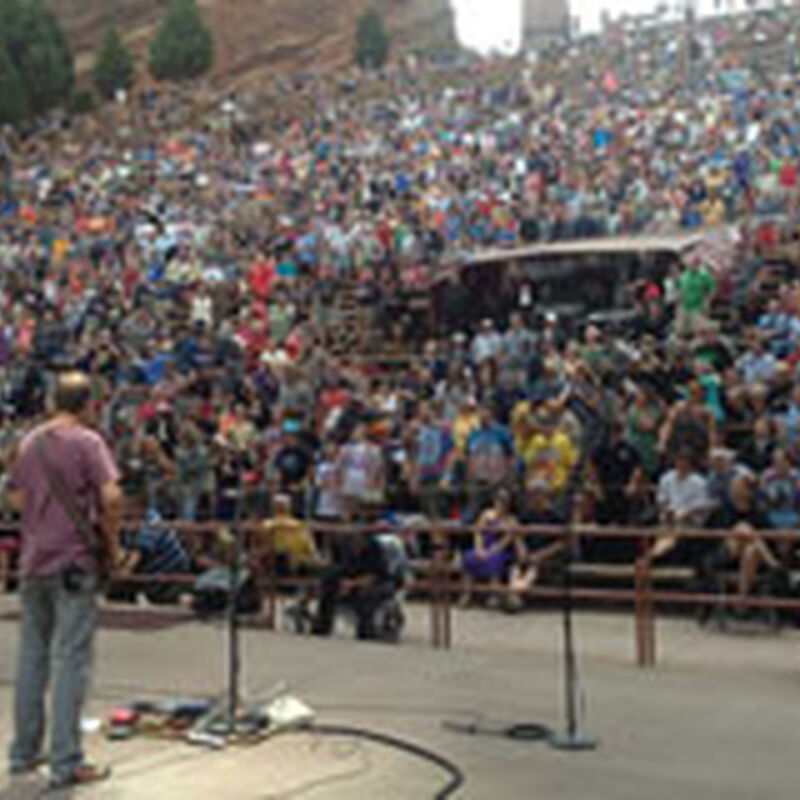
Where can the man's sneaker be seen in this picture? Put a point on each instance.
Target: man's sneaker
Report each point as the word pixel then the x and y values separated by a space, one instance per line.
pixel 80 776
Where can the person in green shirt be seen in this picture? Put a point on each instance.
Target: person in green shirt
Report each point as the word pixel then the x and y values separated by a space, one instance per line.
pixel 644 418
pixel 696 287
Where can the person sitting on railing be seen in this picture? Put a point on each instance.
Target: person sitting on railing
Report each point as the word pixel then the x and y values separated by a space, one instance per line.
pixel 153 550
pixel 744 550
pixel 780 492
pixel 361 575
pixel 533 552
pixel 683 501
pixel 493 551
pixel 293 546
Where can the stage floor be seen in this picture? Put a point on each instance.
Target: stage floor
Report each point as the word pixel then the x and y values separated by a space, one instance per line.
pixel 719 718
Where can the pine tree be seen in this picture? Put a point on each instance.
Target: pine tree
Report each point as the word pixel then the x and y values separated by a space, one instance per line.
pixel 13 98
pixel 46 65
pixel 372 41
pixel 39 51
pixel 182 47
pixel 113 69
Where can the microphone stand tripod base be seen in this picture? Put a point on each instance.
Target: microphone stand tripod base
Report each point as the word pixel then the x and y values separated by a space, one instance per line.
pixel 573 742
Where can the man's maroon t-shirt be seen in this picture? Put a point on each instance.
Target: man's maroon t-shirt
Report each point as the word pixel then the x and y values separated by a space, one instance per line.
pixel 50 543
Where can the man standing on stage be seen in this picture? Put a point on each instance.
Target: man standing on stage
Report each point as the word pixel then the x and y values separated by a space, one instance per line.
pixel 64 483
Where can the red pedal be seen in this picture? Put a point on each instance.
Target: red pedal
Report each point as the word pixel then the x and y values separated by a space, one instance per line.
pixel 123 716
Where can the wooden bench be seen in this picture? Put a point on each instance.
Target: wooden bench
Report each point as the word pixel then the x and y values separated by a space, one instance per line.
pixel 614 574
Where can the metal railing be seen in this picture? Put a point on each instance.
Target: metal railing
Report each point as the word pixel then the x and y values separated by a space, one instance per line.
pixel 438 576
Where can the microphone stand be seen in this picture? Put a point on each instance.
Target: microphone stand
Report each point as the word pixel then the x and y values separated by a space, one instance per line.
pixel 232 719
pixel 234 640
pixel 572 738
pixel 223 721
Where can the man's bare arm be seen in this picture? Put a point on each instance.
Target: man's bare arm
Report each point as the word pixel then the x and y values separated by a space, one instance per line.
pixel 111 507
pixel 14 500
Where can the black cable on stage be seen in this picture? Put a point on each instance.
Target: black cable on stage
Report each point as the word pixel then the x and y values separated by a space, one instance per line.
pixel 520 732
pixel 457 778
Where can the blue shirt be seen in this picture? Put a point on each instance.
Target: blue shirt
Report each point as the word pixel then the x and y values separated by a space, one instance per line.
pixel 433 446
pixel 488 450
pixel 161 551
pixel 154 369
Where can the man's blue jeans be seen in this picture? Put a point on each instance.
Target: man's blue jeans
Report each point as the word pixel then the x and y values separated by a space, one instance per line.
pixel 57 632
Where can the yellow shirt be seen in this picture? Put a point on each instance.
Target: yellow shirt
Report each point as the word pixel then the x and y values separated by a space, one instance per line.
pixel 463 425
pixel 521 424
pixel 60 248
pixel 292 539
pixel 549 459
pixel 714 213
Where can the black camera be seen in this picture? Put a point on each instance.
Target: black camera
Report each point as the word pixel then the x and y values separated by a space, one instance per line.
pixel 73 578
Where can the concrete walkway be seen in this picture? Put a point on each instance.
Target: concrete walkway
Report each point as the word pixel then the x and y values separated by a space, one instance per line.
pixel 719 718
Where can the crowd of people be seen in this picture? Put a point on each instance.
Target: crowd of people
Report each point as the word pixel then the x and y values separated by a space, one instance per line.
pixel 186 255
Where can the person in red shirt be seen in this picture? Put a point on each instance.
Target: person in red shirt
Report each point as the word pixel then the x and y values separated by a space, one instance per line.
pixel 260 278
pixel 788 175
pixel 385 235
pixel 332 398
pixel 130 277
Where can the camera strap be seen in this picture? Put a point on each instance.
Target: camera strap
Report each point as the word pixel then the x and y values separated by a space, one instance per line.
pixel 65 499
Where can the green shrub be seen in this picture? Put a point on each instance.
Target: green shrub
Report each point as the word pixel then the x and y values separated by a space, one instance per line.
pixel 182 47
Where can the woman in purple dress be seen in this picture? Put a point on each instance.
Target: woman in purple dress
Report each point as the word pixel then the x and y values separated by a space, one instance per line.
pixel 493 551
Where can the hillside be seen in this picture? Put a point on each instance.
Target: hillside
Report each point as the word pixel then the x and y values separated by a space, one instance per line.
pixel 259 35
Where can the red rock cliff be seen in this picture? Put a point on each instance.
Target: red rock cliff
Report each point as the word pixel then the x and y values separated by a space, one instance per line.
pixel 253 35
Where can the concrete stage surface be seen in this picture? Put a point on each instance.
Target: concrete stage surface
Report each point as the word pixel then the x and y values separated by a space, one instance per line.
pixel 719 717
